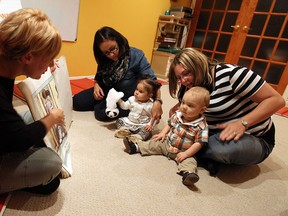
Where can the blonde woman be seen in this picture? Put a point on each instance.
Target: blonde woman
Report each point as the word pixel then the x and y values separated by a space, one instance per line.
pixel 241 130
pixel 28 45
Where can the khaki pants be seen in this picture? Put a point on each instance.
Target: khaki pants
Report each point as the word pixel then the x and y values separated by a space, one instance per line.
pixel 153 147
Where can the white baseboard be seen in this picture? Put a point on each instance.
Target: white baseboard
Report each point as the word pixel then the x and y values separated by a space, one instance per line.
pixel 81 77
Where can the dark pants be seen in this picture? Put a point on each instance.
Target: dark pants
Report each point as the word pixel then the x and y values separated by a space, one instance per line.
pixel 85 101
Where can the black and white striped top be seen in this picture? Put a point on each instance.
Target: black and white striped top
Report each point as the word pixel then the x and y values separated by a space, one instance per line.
pixel 229 100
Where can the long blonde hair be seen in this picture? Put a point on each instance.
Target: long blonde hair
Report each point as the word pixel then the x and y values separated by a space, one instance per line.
pixel 28 30
pixel 196 63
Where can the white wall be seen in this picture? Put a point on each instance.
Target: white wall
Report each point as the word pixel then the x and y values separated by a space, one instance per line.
pixel 63 13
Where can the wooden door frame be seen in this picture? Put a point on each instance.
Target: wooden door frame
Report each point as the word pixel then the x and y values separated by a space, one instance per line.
pixel 283 81
pixel 193 23
pixel 244 18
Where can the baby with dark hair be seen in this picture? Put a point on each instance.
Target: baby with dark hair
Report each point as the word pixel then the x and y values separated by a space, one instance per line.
pixel 139 121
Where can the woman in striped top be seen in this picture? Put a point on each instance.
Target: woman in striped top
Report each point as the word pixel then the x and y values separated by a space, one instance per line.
pixel 241 130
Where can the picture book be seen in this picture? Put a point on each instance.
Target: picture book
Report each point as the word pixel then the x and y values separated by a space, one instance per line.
pixel 51 91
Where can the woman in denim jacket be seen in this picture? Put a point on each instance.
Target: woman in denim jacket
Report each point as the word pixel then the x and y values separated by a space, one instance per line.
pixel 120 67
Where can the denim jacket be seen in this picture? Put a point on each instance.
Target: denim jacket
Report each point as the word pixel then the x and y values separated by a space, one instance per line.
pixel 138 66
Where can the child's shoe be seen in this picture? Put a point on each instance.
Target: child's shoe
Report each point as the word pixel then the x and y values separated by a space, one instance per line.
pixel 122 133
pixel 189 179
pixel 130 145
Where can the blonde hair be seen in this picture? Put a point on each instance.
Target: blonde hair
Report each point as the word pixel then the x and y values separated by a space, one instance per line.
pixel 196 63
pixel 200 94
pixel 28 30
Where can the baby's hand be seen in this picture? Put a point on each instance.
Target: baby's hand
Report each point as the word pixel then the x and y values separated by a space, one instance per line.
pixel 159 137
pixel 180 157
pixel 148 128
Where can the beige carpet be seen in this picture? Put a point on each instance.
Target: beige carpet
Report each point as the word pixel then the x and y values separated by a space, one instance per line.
pixel 107 181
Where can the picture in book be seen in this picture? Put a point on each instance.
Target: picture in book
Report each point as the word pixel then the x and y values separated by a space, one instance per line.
pixel 42 95
pixel 45 100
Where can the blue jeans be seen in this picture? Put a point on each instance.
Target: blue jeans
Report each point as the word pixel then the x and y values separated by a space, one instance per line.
pixel 33 167
pixel 246 151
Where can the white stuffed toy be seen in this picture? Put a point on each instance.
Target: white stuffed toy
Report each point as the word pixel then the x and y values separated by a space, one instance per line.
pixel 111 103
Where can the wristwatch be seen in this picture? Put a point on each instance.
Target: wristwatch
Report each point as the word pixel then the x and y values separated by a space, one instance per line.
pixel 159 99
pixel 244 123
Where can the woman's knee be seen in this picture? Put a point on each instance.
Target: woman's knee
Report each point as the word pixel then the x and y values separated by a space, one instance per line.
pixel 100 115
pixel 51 163
pixel 80 105
pixel 248 150
pixel 76 104
pixel 83 101
pixel 220 151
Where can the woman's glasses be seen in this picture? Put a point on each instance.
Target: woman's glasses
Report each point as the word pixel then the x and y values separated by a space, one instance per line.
pixel 183 75
pixel 111 50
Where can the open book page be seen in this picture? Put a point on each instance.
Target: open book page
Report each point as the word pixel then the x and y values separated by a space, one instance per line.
pixel 43 95
pixel 62 81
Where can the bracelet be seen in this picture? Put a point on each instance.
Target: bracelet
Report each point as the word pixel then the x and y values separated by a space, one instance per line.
pixel 159 99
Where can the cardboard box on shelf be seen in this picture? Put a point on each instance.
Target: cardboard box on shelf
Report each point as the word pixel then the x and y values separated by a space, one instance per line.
pixel 181 14
pixel 185 3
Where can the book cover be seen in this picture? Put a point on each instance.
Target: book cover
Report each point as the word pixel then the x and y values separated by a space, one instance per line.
pixel 181 14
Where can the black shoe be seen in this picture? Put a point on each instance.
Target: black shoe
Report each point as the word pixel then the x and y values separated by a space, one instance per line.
pixel 190 179
pixel 44 189
pixel 213 167
pixel 210 165
pixel 130 146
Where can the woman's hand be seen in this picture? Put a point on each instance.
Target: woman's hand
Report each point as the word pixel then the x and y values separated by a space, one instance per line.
pixel 58 116
pixel 231 130
pixel 269 101
pixel 174 109
pixel 54 65
pixel 98 92
pixel 156 112
pixel 55 116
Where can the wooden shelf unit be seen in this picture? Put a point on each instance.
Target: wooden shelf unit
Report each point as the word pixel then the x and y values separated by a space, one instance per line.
pixel 171 36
